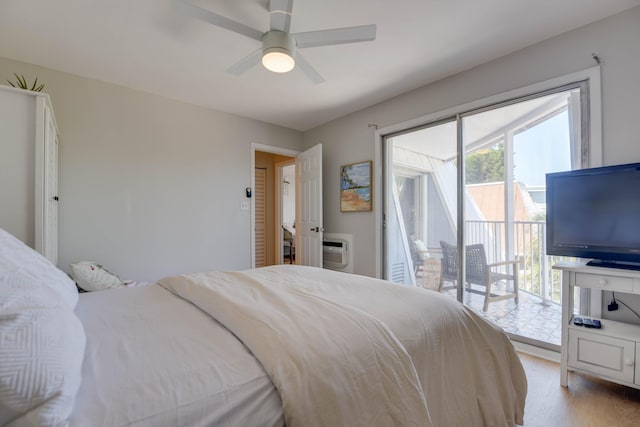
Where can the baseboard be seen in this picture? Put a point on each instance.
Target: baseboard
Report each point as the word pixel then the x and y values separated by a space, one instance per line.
pixel 542 353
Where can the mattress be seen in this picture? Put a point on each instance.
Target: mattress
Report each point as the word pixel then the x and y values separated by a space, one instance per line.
pixel 295 345
pixel 349 350
pixel 143 367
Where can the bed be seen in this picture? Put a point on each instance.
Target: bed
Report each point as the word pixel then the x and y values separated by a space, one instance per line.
pixel 281 345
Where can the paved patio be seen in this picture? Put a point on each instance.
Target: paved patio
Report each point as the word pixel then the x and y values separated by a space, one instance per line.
pixel 530 318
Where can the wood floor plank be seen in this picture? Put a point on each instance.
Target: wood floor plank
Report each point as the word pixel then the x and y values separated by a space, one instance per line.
pixel 587 402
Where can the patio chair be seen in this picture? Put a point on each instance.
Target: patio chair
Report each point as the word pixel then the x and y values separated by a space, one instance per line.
pixel 479 272
pixel 425 263
pixel 448 266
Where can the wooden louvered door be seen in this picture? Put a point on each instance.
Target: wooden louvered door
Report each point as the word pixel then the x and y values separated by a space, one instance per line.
pixel 260 216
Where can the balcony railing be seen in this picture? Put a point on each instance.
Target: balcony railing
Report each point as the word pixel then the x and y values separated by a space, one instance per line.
pixel 527 244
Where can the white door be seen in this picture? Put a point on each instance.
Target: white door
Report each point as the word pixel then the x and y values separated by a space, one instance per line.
pixel 51 195
pixel 47 185
pixel 309 228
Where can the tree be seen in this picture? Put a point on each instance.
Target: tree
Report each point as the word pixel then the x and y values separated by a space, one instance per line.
pixel 485 165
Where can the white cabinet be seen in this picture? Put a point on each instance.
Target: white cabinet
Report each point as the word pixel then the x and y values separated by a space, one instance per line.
pixel 29 169
pixel 612 352
pixel 601 354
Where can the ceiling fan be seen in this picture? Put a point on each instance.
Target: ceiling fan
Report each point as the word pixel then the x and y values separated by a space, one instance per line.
pixel 279 51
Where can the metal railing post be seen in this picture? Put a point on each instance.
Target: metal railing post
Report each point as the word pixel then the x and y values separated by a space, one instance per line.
pixel 545 265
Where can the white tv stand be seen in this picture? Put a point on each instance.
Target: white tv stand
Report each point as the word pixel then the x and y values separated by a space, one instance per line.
pixel 612 352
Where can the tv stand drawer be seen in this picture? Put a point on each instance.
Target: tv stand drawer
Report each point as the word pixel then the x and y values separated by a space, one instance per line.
pixel 601 281
pixel 603 355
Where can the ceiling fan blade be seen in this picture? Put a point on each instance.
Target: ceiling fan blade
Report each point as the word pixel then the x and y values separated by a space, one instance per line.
pixel 308 69
pixel 362 33
pixel 247 62
pixel 280 14
pixel 217 20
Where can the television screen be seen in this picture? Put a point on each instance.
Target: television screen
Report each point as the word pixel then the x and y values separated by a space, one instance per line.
pixel 595 213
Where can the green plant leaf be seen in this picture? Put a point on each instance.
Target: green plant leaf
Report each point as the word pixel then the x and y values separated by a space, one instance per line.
pixel 18 81
pixel 22 81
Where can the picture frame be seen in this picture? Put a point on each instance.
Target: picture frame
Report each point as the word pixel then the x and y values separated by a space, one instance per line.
pixel 355 187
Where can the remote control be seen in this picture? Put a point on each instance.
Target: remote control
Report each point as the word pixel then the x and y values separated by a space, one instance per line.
pixel 577 321
pixel 592 323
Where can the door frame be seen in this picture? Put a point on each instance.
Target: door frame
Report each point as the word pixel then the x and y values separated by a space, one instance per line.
pixel 267 149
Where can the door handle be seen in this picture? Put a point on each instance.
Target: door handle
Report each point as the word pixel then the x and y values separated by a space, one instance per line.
pixel 317 229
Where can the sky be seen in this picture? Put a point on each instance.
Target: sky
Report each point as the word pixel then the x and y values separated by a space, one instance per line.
pixel 542 149
pixel 359 174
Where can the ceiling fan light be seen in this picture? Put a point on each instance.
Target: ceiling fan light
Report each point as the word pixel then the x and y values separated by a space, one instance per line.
pixel 278 60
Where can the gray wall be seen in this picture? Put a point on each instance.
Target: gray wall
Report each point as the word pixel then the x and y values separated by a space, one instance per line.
pixel 615 40
pixel 17 164
pixel 149 186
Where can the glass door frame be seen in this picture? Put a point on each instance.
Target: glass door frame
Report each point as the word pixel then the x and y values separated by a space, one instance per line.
pixel 591 147
pixel 581 161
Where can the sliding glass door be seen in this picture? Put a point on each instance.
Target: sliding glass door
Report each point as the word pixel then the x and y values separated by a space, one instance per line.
pixel 486 166
pixel 421 205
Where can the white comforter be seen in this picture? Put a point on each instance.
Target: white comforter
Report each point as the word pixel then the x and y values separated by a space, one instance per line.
pixel 347 350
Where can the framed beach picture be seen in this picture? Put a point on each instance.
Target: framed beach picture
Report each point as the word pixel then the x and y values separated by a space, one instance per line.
pixel 355 187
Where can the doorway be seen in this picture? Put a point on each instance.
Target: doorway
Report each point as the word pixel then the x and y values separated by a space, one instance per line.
pixel 274 208
pixel 307 189
pixel 286 179
pixel 475 182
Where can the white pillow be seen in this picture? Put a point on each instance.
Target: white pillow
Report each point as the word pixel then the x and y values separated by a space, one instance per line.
pixel 41 355
pixel 28 280
pixel 41 340
pixel 91 276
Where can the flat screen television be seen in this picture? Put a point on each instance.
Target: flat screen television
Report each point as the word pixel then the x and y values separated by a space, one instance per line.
pixel 595 213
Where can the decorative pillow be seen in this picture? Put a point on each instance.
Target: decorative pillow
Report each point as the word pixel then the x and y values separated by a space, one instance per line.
pixel 29 280
pixel 91 276
pixel 420 246
pixel 41 355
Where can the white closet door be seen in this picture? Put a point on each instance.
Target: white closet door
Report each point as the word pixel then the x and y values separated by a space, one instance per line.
pixel 46 183
pixel 51 194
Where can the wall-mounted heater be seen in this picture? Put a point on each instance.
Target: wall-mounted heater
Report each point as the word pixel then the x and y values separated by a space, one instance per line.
pixel 336 252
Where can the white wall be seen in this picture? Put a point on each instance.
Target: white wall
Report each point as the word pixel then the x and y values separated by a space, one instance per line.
pixel 614 40
pixel 17 164
pixel 150 186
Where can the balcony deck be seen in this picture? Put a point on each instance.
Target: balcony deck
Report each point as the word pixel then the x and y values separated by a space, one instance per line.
pixel 530 318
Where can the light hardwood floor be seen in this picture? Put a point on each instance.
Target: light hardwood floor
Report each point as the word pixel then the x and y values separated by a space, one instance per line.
pixel 587 402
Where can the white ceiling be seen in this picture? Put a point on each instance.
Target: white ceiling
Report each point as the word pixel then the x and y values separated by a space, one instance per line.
pixel 146 45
